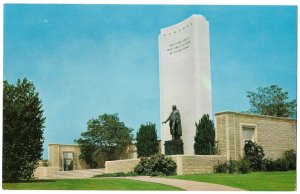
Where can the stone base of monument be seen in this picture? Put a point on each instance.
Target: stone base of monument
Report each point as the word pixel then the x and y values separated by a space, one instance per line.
pixel 174 147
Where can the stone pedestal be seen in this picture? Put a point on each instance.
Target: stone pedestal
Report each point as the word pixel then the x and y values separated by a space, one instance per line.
pixel 173 147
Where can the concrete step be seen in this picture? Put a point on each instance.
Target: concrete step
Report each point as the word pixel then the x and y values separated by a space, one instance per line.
pixel 89 173
pixel 81 172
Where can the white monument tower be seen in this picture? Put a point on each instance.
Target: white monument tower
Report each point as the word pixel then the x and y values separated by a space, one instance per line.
pixel 184 60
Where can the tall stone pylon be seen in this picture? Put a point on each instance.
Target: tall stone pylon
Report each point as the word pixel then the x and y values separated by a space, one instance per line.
pixel 185 78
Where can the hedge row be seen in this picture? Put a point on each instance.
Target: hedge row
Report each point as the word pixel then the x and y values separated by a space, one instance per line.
pixel 254 160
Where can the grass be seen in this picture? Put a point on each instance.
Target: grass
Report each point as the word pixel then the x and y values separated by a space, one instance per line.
pixel 88 184
pixel 258 181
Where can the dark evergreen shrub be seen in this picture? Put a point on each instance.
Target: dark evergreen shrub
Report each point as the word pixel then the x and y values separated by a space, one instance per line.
pixel 205 143
pixel 281 164
pixel 291 158
pixel 156 165
pixel 233 166
pixel 244 166
pixel 221 168
pixel 287 162
pixel 146 140
pixel 269 165
pixel 255 154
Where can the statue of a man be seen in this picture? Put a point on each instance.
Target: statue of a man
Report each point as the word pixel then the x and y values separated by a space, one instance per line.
pixel 174 123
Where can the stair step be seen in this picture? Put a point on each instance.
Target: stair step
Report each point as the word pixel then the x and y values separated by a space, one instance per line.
pixel 89 173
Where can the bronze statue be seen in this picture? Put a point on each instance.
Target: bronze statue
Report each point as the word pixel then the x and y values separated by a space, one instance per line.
pixel 174 123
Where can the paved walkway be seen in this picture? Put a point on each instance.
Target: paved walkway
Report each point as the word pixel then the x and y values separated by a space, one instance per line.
pixel 185 184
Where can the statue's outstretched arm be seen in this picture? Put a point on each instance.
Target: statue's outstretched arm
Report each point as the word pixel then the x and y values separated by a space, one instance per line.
pixel 166 120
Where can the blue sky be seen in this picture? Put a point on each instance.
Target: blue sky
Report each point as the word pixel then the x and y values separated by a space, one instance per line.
pixel 86 60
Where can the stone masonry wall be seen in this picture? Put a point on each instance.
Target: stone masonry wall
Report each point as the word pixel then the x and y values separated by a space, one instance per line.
pixel 276 135
pixel 199 164
pixel 41 172
pixel 121 165
pixel 221 134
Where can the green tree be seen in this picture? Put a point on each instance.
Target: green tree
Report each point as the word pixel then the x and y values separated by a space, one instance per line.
pixel 272 101
pixel 146 140
pixel 205 137
pixel 23 126
pixel 105 136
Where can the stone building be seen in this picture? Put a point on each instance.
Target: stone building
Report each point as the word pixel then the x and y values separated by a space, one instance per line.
pixel 276 135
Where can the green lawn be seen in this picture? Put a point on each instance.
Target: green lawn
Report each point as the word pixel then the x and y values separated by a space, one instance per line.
pixel 87 184
pixel 259 181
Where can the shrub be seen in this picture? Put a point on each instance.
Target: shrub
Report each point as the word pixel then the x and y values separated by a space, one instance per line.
pixel 282 164
pixel 205 143
pixel 244 166
pixel 156 165
pixel 233 166
pixel 221 168
pixel 291 158
pixel 269 165
pixel 146 140
pixel 255 154
pixel 253 160
pixel 287 162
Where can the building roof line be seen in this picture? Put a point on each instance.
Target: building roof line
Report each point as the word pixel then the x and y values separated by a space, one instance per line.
pixel 254 115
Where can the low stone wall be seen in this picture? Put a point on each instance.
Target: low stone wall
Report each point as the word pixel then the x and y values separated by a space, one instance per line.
pixel 121 165
pixel 42 172
pixel 198 164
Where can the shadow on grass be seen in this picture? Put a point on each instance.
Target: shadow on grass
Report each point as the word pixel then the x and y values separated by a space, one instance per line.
pixel 30 181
